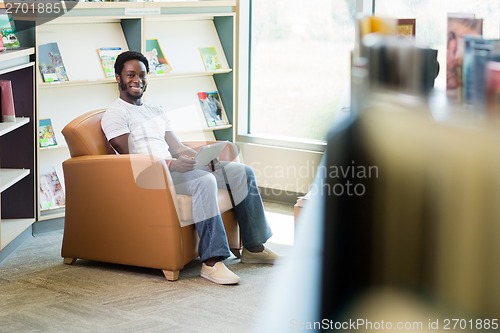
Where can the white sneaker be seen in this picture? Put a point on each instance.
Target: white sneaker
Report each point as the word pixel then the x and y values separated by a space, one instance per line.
pixel 219 273
pixel 265 257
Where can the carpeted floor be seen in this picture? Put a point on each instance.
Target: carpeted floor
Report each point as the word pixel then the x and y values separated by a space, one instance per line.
pixel 38 293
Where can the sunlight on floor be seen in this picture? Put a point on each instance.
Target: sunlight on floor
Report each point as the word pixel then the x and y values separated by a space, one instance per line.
pixel 280 218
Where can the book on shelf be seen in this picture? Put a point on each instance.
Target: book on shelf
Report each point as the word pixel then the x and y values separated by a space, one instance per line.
pixel 158 63
pixel 406 27
pixel 7 101
pixel 8 31
pixel 459 25
pixel 478 51
pixel 51 191
pixel 107 56
pixel 212 108
pixel 368 24
pixel 492 77
pixel 51 63
pixel 468 66
pixel 210 58
pixel 46 134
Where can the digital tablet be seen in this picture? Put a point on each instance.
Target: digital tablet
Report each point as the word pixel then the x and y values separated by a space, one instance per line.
pixel 209 152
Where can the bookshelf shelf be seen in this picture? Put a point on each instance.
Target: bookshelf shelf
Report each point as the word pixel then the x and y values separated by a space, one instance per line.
pixel 50 214
pixel 11 126
pixel 49 211
pixel 203 4
pixel 14 66
pixel 75 83
pixel 58 85
pixel 187 75
pixel 16 53
pixel 11 228
pixel 12 58
pixel 9 177
pixel 59 146
pixel 215 128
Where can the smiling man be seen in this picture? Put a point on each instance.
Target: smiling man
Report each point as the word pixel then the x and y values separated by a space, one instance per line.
pixel 134 127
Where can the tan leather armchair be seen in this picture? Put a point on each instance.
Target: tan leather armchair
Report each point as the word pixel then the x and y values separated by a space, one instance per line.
pixel 123 209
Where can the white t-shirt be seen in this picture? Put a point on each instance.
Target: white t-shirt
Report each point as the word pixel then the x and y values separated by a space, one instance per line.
pixel 146 125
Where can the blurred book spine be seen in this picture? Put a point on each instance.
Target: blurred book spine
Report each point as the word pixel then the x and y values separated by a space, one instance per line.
pixel 459 25
pixel 468 67
pixel 406 27
pixel 481 56
pixel 492 76
pixel 7 101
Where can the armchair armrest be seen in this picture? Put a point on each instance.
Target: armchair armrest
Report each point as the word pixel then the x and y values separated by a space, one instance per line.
pixel 132 180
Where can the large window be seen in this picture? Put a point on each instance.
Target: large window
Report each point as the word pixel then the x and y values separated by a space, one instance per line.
pixel 300 57
pixel 299 66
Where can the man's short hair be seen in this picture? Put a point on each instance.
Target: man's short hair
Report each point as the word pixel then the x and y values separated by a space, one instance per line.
pixel 129 55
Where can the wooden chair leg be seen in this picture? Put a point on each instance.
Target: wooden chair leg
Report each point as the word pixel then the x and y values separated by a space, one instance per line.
pixel 69 261
pixel 236 252
pixel 171 275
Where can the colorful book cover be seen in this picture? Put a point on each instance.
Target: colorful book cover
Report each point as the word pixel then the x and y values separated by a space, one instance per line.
pixel 212 108
pixel 46 134
pixel 8 31
pixel 108 55
pixel 51 64
pixel 7 101
pixel 376 24
pixel 51 191
pixel 492 76
pixel 406 27
pixel 459 25
pixel 210 58
pixel 158 63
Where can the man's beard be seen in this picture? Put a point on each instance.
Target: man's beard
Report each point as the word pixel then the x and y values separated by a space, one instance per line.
pixel 123 87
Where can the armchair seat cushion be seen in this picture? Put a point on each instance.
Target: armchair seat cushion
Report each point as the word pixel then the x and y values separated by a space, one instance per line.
pixel 185 208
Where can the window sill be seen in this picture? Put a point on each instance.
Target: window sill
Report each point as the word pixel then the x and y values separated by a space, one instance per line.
pixel 283 142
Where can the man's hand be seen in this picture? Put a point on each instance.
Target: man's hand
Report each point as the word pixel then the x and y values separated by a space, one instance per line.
pixel 183 164
pixel 214 164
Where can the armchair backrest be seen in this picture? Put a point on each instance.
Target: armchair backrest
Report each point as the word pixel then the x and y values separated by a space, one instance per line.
pixel 84 135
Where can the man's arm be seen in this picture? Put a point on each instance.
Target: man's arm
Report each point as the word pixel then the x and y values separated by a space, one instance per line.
pixel 184 155
pixel 184 162
pixel 176 147
pixel 120 143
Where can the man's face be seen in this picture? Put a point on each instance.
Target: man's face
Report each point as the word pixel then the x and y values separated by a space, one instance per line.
pixel 132 81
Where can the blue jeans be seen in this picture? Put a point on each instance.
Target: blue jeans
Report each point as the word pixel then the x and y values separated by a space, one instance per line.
pixel 202 185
